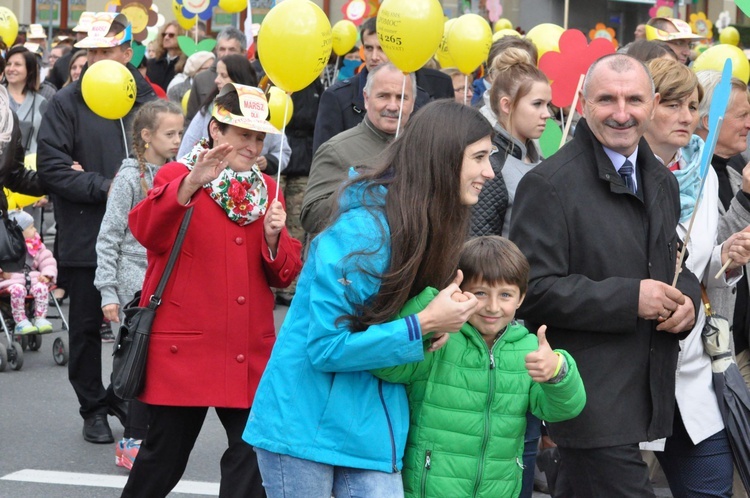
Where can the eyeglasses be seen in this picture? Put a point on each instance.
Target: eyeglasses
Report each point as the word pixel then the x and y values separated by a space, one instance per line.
pixel 168 35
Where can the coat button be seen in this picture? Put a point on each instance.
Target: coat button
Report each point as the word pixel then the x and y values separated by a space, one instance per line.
pixel 240 358
pixel 241 300
pixel 238 241
pixel 173 349
pixel 286 272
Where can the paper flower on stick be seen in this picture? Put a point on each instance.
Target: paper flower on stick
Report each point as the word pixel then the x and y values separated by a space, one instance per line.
pixel 701 25
pixel 723 20
pixel 201 8
pixel 141 16
pixel 663 8
pixel 602 31
pixel 357 11
pixel 564 68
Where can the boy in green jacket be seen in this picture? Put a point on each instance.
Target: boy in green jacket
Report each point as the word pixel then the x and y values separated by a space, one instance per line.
pixel 469 399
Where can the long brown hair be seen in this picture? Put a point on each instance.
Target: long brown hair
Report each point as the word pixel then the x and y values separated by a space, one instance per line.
pixel 428 224
pixel 149 117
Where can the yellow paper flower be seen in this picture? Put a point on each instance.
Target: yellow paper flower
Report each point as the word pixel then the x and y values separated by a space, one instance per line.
pixel 602 31
pixel 701 25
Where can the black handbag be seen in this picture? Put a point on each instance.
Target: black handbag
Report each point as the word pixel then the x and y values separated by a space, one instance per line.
pixel 131 345
pixel 12 245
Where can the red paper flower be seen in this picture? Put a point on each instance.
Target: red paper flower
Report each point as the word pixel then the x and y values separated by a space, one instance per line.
pixel 564 68
pixel 662 8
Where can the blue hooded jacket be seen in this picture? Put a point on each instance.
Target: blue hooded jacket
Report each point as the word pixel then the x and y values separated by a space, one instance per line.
pixel 317 400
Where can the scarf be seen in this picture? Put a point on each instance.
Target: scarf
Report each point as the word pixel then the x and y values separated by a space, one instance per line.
pixel 242 195
pixel 688 176
pixel 34 245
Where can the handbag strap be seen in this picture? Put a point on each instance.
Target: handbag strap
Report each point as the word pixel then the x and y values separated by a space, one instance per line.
pixel 155 300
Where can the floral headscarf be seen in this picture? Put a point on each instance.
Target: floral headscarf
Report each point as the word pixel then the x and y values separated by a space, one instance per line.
pixel 242 195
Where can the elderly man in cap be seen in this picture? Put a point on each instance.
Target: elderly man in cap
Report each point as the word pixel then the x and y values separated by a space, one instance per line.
pixel 79 153
pixel 674 32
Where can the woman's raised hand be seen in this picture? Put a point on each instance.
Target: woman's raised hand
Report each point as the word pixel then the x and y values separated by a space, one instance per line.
pixel 209 165
pixel 448 313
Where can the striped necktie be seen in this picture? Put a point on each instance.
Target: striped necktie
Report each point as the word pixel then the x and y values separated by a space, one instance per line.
pixel 626 172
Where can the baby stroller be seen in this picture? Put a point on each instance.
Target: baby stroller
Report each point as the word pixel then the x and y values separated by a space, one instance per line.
pixel 12 353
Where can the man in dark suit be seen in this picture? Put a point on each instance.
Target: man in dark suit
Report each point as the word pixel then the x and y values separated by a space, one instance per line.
pixel 598 223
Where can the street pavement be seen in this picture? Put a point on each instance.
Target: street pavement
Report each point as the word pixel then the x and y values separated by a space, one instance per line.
pixel 42 452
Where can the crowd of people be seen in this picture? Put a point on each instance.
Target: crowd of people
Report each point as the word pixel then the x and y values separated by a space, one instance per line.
pixel 430 256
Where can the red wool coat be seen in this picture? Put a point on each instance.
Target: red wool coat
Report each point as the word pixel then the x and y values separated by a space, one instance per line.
pixel 214 330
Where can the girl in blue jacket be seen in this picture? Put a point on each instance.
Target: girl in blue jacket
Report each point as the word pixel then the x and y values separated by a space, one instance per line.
pixel 321 424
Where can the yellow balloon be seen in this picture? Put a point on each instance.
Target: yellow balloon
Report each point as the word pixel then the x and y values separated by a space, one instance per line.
pixel 108 89
pixel 469 42
pixel 546 37
pixel 184 23
pixel 442 55
pixel 505 32
pixel 8 26
pixel 344 34
pixel 714 58
pixel 730 36
pixel 18 201
pixel 501 24
pixel 184 101
pixel 410 31
pixel 294 44
pixel 278 100
pixel 232 6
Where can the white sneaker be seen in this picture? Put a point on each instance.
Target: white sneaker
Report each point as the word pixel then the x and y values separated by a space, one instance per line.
pixel 43 325
pixel 25 327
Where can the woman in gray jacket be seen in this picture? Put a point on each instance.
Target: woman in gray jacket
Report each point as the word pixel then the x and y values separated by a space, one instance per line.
pixel 121 260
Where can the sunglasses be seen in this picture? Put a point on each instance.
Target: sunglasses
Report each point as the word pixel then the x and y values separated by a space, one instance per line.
pixel 168 35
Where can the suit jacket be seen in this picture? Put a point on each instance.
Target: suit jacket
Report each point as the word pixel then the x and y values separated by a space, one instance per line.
pixel 590 242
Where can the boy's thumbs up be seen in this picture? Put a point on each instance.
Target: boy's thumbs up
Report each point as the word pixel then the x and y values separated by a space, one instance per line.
pixel 541 334
pixel 542 363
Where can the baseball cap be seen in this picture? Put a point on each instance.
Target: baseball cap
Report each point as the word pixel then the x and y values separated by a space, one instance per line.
pixel 254 108
pixel 99 28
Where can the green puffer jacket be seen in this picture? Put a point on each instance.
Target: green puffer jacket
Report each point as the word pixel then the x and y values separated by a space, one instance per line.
pixel 468 411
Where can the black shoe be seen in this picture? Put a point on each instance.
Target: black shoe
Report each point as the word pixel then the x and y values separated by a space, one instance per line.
pixel 119 408
pixel 96 430
pixel 284 298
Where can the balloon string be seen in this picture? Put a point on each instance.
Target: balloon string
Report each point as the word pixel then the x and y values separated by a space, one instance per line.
pixel 124 138
pixel 400 109
pixel 335 72
pixel 466 86
pixel 281 144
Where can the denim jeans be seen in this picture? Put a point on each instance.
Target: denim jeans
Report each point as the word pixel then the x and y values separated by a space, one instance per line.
pixel 285 476
pixel 530 450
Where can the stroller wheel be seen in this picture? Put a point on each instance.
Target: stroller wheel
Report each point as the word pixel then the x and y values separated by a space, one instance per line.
pixel 3 357
pixel 15 356
pixel 35 342
pixel 60 351
pixel 24 341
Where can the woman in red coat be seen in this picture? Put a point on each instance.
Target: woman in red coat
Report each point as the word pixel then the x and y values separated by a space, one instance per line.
pixel 214 330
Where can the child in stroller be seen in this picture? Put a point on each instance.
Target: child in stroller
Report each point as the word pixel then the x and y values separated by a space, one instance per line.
pixel 39 272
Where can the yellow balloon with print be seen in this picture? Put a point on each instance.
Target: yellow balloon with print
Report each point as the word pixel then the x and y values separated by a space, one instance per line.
pixel 410 31
pixel 505 32
pixel 184 23
pixel 730 36
pixel 714 58
pixel 294 43
pixel 278 104
pixel 502 24
pixel 469 42
pixel 344 35
pixel 232 6
pixel 8 26
pixel 184 101
pixel 108 89
pixel 442 55
pixel 545 37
